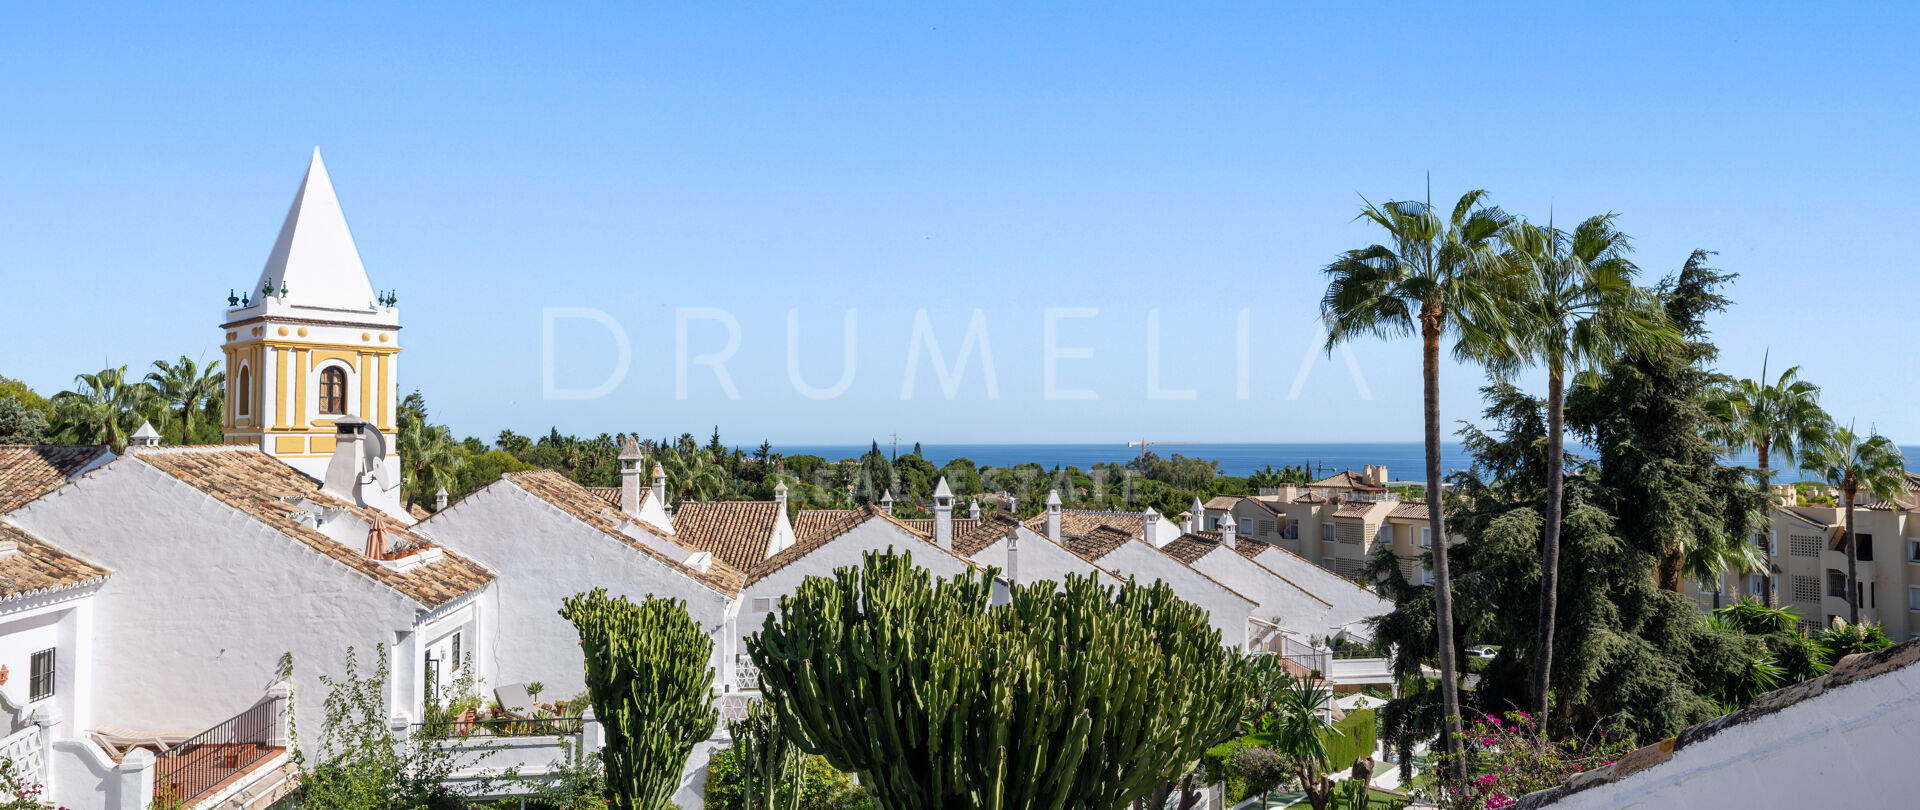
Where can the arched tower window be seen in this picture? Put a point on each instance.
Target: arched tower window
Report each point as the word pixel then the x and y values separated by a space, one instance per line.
pixel 333 391
pixel 244 406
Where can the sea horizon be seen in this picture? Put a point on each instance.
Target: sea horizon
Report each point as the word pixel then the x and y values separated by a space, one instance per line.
pixel 1405 461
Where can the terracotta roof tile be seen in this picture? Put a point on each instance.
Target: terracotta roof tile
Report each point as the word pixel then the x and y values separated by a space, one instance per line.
pixel 28 471
pixel 809 524
pixel 265 488
pixel 590 509
pixel 982 533
pixel 1097 543
pixel 1416 510
pixel 924 526
pixel 1190 547
pixel 1077 522
pixel 822 526
pixel 615 497
pixel 1351 509
pixel 37 567
pixel 1222 502
pixel 738 532
pixel 1348 479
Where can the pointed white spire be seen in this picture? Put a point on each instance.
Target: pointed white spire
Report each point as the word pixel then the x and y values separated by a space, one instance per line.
pixel 314 257
pixel 146 436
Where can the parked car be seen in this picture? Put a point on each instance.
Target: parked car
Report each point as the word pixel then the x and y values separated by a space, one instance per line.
pixel 1482 652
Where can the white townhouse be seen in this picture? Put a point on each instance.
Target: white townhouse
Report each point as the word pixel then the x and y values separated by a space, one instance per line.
pixel 1117 542
pixel 233 568
pixel 550 538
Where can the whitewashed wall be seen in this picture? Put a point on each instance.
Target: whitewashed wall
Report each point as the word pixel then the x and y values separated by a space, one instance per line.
pixel 205 599
pixel 1346 602
pixel 841 552
pixel 543 555
pixel 1040 559
pixel 1278 600
pixel 1227 610
pixel 61 621
pixel 1849 747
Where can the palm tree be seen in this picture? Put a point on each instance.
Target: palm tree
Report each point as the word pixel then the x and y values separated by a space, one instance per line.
pixel 1708 562
pixel 1578 309
pixel 99 408
pixel 1872 465
pixel 1435 277
pixel 429 453
pixel 1783 416
pixel 186 386
pixel 1300 732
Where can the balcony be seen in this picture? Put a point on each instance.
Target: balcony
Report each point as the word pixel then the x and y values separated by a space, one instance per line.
pixel 224 756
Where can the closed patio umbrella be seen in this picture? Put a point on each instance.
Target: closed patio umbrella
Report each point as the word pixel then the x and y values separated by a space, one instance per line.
pixel 377 539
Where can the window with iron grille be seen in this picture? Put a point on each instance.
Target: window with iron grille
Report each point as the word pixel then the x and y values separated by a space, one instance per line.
pixel 1326 531
pixel 1806 589
pixel 456 651
pixel 1836 584
pixel 1803 545
pixel 1267 527
pixel 40 685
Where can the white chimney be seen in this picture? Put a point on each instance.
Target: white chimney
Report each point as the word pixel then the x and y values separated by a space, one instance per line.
pixel 973 508
pixel 659 486
pixel 943 514
pixel 343 478
pixel 1199 515
pixel 886 501
pixel 780 494
pixel 630 459
pixel 146 436
pixel 440 500
pixel 1228 531
pixel 1053 515
pixel 1154 530
pixel 1186 522
pixel 1013 557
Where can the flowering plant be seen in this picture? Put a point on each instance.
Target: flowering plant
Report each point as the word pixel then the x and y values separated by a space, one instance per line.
pixel 1506 759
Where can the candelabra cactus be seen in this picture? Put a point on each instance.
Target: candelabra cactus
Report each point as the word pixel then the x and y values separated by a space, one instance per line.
pixel 1069 696
pixel 771 766
pixel 652 691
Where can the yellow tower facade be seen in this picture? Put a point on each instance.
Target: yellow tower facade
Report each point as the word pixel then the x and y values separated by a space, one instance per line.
pixel 311 342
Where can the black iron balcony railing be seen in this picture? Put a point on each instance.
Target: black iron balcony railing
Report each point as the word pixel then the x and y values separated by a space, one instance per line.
pixel 208 759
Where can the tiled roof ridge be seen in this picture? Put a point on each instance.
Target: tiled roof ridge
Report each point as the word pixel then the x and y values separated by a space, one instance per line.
pixel 726 581
pixel 318 542
pixel 1848 670
pixel 854 518
pixel 1305 561
pixel 23 535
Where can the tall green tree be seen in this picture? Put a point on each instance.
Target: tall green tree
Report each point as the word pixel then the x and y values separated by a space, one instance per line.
pixel 1071 695
pixel 1577 308
pixel 99 408
pixel 1435 276
pixel 1856 464
pixel 651 688
pixel 187 387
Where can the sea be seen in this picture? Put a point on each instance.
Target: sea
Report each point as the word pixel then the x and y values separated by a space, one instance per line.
pixel 1405 461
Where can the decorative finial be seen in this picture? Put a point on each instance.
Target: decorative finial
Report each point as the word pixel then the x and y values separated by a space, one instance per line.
pixel 266 288
pixel 232 300
pixel 246 300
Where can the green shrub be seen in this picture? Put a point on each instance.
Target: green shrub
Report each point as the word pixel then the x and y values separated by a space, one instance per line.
pixel 822 787
pixel 1355 741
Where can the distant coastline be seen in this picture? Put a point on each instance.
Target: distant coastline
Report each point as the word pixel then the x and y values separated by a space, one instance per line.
pixel 1403 460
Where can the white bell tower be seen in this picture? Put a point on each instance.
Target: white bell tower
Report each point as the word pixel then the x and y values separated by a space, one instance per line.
pixel 311 343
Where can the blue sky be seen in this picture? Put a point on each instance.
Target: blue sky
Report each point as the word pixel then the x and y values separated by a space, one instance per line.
pixel 891 158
